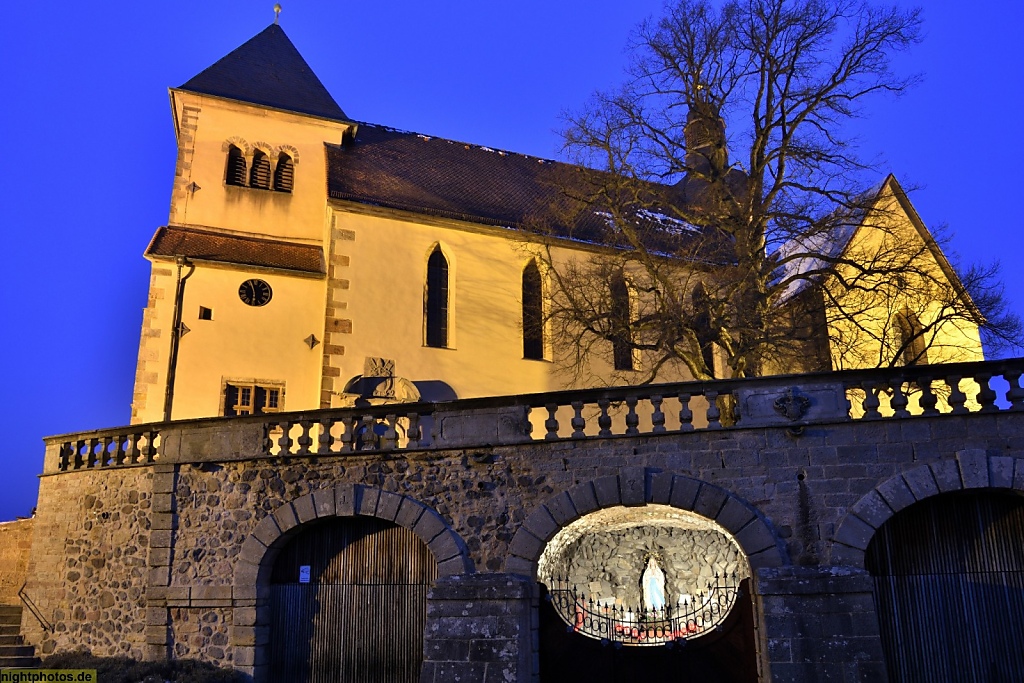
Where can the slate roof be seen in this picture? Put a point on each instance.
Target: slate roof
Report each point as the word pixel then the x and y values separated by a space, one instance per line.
pixel 427 175
pixel 202 245
pixel 268 70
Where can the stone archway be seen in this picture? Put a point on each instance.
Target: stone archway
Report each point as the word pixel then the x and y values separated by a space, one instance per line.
pixel 634 487
pixel 258 552
pixel 729 653
pixel 969 469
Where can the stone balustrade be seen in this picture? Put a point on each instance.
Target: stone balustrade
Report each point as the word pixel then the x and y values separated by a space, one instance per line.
pixel 794 401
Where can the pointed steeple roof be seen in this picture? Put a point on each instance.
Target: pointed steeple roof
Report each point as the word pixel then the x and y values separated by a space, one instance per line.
pixel 268 70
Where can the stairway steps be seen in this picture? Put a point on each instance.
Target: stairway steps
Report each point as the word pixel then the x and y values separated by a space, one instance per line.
pixel 14 653
pixel 18 662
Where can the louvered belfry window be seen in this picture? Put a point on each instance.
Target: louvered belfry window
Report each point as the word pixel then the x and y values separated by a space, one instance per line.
pixel 437 299
pixel 259 177
pixel 236 167
pixel 284 174
pixel 533 313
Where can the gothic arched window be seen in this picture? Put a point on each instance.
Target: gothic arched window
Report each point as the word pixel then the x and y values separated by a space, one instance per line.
pixel 533 313
pixel 259 177
pixel 284 174
pixel 912 342
pixel 619 317
pixel 236 167
pixel 437 299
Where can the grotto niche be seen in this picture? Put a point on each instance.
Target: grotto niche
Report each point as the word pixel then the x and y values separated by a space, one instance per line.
pixel 643 575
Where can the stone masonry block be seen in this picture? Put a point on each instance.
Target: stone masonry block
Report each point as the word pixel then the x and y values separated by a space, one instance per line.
pixel 561 508
pixel 161 521
pixel 632 485
pixel 266 532
pixel 873 509
pixel 755 537
pixel 285 517
pixel 519 566
pixel 606 489
pixel 159 557
pixel 583 498
pixel 855 532
pixel 921 482
pixel 710 501
pixel 252 551
pixel 897 494
pixel 526 545
pixel 387 507
pixel 947 475
pixel 160 576
pixel 542 525
pixel 973 468
pixel 246 573
pixel 244 616
pixel 454 566
pixel 660 488
pixel 408 513
pixel 769 557
pixel 1018 474
pixel 429 526
pixel 366 500
pixel 846 556
pixel 735 515
pixel 344 500
pixel 444 546
pixel 1000 472
pixel 163 502
pixel 304 508
pixel 323 501
pixel 684 492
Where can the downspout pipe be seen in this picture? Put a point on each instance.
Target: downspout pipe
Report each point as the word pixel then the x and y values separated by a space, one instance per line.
pixel 172 361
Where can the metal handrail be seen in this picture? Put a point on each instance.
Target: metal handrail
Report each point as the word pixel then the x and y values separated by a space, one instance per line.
pixel 33 609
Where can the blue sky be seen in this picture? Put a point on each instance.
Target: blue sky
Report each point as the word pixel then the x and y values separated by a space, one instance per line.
pixel 89 148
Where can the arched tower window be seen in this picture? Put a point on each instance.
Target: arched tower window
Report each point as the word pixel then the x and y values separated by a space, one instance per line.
pixel 259 177
pixel 284 174
pixel 533 313
pixel 236 167
pixel 912 342
pixel 437 299
pixel 621 335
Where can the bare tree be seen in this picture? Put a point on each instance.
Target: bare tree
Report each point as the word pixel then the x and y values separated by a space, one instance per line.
pixel 780 257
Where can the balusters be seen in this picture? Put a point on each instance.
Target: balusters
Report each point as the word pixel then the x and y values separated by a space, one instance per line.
pixel 121 453
pixel 285 440
pixel 106 457
pixel 413 434
pixel 632 419
pixel 578 422
pixel 551 424
pixel 325 439
pixel 1014 395
pixel 957 398
pixel 899 400
pixel 871 403
pixel 657 417
pixel 389 441
pixel 304 440
pixel 367 434
pixel 685 414
pixel 928 399
pixel 92 456
pixel 347 436
pixel 986 397
pixel 604 421
pixel 714 414
pixel 149 454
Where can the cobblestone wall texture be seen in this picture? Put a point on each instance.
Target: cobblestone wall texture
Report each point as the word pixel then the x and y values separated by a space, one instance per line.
pixel 15 544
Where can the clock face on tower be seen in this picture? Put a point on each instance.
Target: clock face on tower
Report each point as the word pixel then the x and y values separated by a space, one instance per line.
pixel 255 292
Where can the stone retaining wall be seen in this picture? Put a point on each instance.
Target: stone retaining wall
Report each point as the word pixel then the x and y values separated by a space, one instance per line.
pixel 15 545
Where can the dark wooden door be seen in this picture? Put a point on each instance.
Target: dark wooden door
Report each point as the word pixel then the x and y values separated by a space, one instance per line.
pixel 949 589
pixel 725 656
pixel 361 616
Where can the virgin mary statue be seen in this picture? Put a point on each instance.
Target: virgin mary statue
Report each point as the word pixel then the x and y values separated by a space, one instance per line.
pixel 653 585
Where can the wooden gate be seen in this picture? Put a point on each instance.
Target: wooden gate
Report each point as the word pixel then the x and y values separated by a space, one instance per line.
pixel 361 615
pixel 725 656
pixel 949 589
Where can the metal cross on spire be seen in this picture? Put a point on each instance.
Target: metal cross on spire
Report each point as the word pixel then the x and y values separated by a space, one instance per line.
pixel 277 11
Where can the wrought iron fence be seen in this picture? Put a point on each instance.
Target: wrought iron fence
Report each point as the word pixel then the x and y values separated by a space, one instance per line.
pixel 614 623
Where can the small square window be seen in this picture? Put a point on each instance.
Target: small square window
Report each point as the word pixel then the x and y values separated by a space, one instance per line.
pixel 205 313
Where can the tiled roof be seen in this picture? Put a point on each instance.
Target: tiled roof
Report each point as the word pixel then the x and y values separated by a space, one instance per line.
pixel 423 174
pixel 268 70
pixel 202 245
